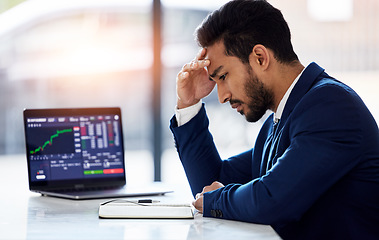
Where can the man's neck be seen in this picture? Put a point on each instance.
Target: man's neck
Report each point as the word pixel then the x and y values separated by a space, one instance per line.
pixel 284 77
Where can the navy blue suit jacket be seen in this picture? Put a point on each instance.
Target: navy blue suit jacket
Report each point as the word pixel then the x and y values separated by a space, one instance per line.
pixel 319 179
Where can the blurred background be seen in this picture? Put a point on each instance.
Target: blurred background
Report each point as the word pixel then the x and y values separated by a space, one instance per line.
pixel 98 53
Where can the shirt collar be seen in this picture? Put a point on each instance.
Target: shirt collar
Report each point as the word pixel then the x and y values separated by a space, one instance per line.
pixel 282 104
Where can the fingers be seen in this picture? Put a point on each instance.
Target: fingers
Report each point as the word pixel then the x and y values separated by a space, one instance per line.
pixel 198 202
pixel 215 185
pixel 192 67
pixel 199 62
pixel 199 195
pixel 192 82
pixel 195 65
pixel 182 75
pixel 201 54
pixel 206 189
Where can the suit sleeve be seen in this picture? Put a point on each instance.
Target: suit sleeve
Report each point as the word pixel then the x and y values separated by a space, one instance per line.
pixel 324 145
pixel 200 158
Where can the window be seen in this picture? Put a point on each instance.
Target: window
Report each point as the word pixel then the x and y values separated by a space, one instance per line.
pixel 99 53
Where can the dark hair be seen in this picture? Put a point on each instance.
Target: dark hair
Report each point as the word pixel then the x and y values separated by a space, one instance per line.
pixel 242 24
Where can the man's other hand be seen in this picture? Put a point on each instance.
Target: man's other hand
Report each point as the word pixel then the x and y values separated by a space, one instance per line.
pixel 198 202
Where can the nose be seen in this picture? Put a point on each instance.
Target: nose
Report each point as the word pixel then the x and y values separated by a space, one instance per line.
pixel 223 92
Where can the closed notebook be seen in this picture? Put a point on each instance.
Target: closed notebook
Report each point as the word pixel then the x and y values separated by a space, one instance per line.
pixel 137 209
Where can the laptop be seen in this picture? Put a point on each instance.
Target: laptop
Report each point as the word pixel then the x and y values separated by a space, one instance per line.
pixel 78 153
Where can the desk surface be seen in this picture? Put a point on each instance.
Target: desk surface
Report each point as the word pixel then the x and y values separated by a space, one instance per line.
pixel 26 215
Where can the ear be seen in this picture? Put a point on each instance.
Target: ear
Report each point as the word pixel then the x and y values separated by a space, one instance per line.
pixel 259 57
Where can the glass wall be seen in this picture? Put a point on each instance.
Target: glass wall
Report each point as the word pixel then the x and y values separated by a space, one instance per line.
pixel 79 56
pixel 93 54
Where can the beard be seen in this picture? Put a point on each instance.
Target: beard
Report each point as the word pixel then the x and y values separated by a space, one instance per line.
pixel 260 98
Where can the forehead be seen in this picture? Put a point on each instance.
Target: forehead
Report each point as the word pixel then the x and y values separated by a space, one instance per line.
pixel 216 54
pixel 218 58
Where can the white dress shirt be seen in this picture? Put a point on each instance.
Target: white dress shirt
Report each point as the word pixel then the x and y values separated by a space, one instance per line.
pixel 282 104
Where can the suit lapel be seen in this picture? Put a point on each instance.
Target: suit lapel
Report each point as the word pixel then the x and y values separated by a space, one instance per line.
pixel 309 77
pixel 306 81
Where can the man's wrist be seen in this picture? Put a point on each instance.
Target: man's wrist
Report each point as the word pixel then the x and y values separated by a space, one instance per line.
pixel 182 105
pixel 184 115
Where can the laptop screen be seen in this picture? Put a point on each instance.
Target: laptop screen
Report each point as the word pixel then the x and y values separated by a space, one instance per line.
pixel 74 148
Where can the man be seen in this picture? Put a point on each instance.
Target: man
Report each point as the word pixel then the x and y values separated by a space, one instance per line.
pixel 314 170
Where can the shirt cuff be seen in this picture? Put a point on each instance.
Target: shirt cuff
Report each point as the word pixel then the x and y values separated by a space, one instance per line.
pixel 184 115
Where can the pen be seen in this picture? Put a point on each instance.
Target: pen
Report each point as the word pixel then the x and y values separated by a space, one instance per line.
pixel 130 201
pixel 147 201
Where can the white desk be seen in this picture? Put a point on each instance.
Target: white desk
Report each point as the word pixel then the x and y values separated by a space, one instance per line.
pixel 26 215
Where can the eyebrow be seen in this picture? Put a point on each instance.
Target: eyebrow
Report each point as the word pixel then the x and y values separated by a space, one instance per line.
pixel 215 72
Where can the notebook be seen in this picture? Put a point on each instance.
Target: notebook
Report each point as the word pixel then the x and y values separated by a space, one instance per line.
pixel 136 209
pixel 78 153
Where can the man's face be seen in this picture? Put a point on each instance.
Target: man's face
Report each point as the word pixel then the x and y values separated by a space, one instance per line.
pixel 238 84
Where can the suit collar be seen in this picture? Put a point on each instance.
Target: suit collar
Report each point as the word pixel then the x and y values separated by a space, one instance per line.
pixel 305 82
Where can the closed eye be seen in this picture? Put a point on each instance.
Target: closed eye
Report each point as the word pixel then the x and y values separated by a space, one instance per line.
pixel 222 77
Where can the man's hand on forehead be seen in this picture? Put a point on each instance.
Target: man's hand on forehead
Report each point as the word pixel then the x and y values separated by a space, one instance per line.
pixel 192 81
